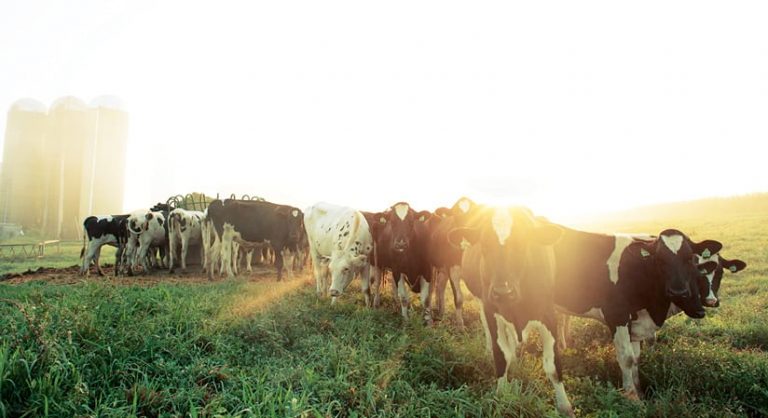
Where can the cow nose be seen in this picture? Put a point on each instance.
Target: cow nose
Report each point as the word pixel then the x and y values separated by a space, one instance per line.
pixel 335 293
pixel 401 244
pixel 711 302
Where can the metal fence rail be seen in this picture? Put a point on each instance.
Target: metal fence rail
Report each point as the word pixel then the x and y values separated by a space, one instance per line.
pixel 31 250
pixel 200 202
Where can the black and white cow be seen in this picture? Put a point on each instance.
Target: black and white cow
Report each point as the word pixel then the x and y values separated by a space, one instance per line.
pixel 630 284
pixel 255 222
pixel 147 231
pixel 185 229
pixel 508 263
pixel 99 231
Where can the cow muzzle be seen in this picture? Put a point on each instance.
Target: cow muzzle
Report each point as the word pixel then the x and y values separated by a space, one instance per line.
pixel 711 302
pixel 401 245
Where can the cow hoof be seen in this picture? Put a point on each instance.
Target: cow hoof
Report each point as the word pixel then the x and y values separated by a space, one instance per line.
pixel 632 396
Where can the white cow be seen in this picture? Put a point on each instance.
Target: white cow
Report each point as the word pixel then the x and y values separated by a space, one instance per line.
pixel 340 245
pixel 184 228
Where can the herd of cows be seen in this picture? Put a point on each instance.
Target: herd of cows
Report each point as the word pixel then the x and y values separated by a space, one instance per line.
pixel 526 272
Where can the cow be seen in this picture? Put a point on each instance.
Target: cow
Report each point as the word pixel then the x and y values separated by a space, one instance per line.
pixel 444 257
pixel 401 247
pixel 630 284
pixel 711 283
pixel 148 231
pixel 508 264
pixel 255 222
pixel 99 231
pixel 185 229
pixel 340 245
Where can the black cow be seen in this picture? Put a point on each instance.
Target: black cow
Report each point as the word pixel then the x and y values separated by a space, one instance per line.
pixel 101 230
pixel 444 257
pixel 630 284
pixel 252 221
pixel 509 247
pixel 400 245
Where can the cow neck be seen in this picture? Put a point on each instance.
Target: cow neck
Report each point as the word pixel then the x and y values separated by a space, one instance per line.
pixel 643 284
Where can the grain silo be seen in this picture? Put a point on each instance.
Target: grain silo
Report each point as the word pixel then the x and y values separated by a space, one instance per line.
pixel 107 185
pixel 21 184
pixel 70 130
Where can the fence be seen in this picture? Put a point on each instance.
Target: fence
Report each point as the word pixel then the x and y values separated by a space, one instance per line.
pixel 200 202
pixel 32 250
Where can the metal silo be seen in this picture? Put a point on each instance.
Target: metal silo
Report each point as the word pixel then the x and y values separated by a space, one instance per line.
pixel 21 181
pixel 70 129
pixel 107 186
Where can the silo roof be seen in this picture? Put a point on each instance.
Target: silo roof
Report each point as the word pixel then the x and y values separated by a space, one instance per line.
pixel 68 103
pixel 109 102
pixel 29 105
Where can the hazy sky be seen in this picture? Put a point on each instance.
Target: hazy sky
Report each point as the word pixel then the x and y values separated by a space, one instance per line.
pixel 568 107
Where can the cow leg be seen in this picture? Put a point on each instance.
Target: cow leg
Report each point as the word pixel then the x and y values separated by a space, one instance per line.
pixel 288 261
pixel 226 253
pixel 365 284
pixel 88 255
pixel 184 249
pixel 426 300
pixel 402 293
pixel 119 258
pixel 486 330
pixel 441 281
pixel 626 357
pixel 563 331
pixel 636 373
pixel 376 286
pixel 492 333
pixel 235 257
pixel 458 295
pixel 248 260
pixel 96 261
pixel 279 264
pixel 144 252
pixel 552 367
pixel 172 245
pixel 319 275
pixel 506 340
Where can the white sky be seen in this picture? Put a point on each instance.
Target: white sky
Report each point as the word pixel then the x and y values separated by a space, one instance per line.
pixel 568 107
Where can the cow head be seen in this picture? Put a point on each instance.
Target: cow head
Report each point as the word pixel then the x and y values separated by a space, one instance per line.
pixel 709 285
pixel 674 258
pixel 398 221
pixel 294 220
pixel 513 246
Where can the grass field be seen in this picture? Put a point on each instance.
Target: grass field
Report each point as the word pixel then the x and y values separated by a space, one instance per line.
pixel 254 347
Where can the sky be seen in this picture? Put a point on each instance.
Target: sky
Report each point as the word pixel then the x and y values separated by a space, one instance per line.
pixel 567 107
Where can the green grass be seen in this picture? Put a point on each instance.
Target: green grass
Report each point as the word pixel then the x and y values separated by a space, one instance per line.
pixel 255 348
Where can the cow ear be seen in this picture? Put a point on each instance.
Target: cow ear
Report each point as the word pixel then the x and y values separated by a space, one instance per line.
pixel 460 237
pixel 708 246
pixel 646 250
pixel 734 266
pixel 443 212
pixel 547 234
pixel 423 216
pixel 707 267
